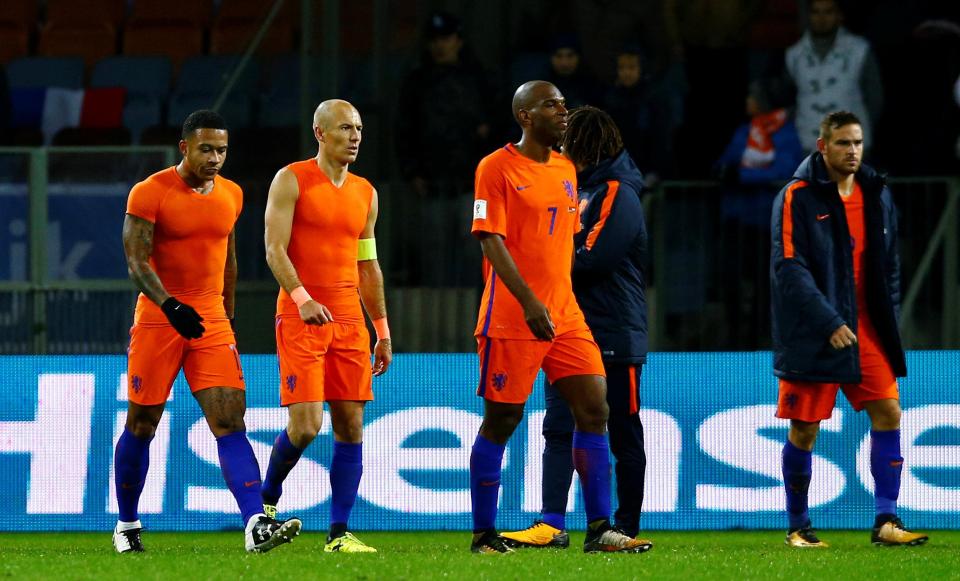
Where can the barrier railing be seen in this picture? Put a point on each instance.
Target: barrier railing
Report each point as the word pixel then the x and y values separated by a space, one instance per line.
pixel 63 285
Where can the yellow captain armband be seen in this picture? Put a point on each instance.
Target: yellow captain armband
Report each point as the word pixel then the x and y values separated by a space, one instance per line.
pixel 367 249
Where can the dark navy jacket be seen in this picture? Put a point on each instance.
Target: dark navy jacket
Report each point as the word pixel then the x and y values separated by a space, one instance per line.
pixel 811 275
pixel 611 253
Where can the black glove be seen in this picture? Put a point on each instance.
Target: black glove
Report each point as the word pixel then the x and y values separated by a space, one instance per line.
pixel 183 318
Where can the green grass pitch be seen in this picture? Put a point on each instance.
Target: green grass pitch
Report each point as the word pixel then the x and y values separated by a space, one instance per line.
pixel 437 555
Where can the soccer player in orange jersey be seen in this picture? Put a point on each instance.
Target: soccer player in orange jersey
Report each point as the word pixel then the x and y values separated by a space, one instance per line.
pixel 835 281
pixel 525 215
pixel 320 246
pixel 178 237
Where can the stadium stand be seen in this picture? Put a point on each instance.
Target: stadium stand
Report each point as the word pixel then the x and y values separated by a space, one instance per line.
pixel 89 40
pixel 202 78
pixel 147 81
pixel 176 40
pixel 21 12
pixel 65 72
pixel 16 40
pixel 256 11
pixel 110 12
pixel 92 136
pixel 168 135
pixel 279 102
pixel 237 21
pixel 232 37
pixel 199 12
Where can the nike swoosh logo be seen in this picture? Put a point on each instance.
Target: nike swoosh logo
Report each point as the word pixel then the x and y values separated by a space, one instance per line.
pixel 822 217
pixel 521 188
pixel 251 483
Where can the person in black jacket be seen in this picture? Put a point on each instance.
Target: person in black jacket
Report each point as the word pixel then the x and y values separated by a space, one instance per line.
pixel 835 286
pixel 608 281
pixel 444 127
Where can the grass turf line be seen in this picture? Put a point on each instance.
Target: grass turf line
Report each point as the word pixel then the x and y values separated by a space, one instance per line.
pixel 432 555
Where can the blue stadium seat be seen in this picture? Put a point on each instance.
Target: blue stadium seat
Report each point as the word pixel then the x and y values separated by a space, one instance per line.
pixel 139 74
pixel 200 82
pixel 237 110
pixel 64 72
pixel 147 80
pixel 280 100
pixel 208 74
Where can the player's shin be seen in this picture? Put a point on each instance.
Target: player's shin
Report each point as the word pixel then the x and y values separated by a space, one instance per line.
pixel 131 462
pixel 557 477
pixel 886 465
pixel 282 460
pixel 241 472
pixel 346 469
pixel 591 458
pixel 485 463
pixel 797 469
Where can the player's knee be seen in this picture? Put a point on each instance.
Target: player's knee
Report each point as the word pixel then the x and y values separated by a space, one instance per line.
pixel 304 430
pixel 352 432
pixel 593 416
pixel 887 417
pixel 142 425
pixel 804 434
pixel 141 429
pixel 302 435
pixel 510 421
pixel 500 426
pixel 222 425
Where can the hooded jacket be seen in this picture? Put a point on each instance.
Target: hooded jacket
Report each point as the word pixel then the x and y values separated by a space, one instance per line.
pixel 811 275
pixel 611 251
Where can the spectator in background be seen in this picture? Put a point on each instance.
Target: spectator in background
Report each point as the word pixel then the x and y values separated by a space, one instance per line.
pixel 832 69
pixel 443 128
pixel 640 110
pixel 578 87
pixel 715 59
pixel 761 155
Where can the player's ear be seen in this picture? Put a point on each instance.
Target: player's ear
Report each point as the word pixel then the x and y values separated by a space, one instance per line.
pixel 183 147
pixel 318 133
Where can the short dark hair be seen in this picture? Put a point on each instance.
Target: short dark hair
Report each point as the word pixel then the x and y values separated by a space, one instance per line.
pixel 591 136
pixel 202 119
pixel 836 120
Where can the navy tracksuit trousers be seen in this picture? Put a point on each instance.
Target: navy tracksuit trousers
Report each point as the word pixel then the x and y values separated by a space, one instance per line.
pixel 626 444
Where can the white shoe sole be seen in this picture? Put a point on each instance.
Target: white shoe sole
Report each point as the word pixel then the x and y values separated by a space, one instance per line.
pixel 284 534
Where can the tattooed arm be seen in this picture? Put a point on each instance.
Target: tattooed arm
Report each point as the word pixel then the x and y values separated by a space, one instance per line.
pixel 138 246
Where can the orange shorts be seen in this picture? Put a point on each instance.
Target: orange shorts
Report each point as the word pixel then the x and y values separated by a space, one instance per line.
pixel 509 367
pixel 323 362
pixel 157 353
pixel 811 401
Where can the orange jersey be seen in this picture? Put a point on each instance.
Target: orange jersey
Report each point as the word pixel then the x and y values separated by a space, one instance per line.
pixel 533 206
pixel 853 207
pixel 190 237
pixel 327 223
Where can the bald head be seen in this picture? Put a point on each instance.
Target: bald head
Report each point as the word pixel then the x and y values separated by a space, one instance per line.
pixel 529 94
pixel 331 110
pixel 338 129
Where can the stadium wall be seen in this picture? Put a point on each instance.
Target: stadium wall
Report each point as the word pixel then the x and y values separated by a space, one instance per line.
pixel 713 448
